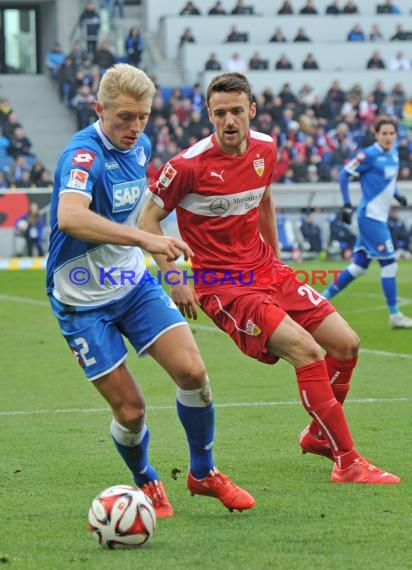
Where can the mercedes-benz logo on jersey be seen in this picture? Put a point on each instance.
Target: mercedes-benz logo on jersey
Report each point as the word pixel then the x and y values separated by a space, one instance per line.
pixel 219 206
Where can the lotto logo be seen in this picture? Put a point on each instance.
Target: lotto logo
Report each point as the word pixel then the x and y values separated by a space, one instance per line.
pixel 84 158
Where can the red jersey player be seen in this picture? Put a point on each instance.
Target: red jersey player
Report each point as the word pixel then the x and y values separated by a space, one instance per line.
pixel 221 190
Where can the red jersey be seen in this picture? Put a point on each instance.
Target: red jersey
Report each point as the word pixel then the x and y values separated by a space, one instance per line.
pixel 216 197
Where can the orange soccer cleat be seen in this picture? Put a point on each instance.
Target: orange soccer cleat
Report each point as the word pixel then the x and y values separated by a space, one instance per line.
pixel 217 485
pixel 311 444
pixel 157 494
pixel 361 471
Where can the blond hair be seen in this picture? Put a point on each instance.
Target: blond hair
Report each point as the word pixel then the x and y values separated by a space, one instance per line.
pixel 124 79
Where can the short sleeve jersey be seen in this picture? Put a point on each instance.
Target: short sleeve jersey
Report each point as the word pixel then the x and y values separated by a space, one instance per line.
pixel 216 196
pixel 114 181
pixel 377 170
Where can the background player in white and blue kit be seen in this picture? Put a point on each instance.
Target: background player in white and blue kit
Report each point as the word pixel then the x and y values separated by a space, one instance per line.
pixel 377 169
pixel 95 288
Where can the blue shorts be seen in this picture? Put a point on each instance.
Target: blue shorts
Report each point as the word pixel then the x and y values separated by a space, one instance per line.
pixel 374 238
pixel 95 336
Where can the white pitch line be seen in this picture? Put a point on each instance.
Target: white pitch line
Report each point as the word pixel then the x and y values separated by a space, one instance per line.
pixel 166 408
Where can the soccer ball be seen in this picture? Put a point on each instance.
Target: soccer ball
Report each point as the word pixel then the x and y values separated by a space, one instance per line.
pixel 122 517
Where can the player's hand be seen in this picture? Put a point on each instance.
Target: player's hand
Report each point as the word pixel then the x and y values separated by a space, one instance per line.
pixel 186 300
pixel 402 200
pixel 347 212
pixel 171 247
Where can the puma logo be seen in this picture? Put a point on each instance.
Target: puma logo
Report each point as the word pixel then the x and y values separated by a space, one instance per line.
pixel 217 175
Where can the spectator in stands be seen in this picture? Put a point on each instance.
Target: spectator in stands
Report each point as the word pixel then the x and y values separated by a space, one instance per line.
pixel 134 46
pixel 77 54
pixel 5 110
pixel 379 94
pixel 66 77
pixel 4 143
pixel 283 62
pixel 236 63
pixel 388 7
pixel 407 113
pixel 235 36
pixel 308 8
pixel 356 34
pixel 197 98
pixel 310 62
pixel 335 97
pixel 333 8
pixel 89 22
pixel 31 227
pixel 83 105
pixel 350 8
pixel 400 236
pixel 213 64
pixel 278 36
pixel 46 179
pixel 375 61
pixel 36 171
pixel 104 57
pixel 286 8
pixel 54 59
pixel 24 180
pixel 399 62
pixel 257 62
pixel 187 37
pixel 399 98
pixel 217 9
pixel 189 9
pixel 19 144
pixel 341 233
pixel 111 6
pixel 311 233
pixel 375 35
pixel 241 8
pixel 4 183
pixel 368 110
pixel 400 34
pixel 301 36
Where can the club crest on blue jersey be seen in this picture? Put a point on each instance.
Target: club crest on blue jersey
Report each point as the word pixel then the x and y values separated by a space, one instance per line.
pixel 127 194
pixel 140 155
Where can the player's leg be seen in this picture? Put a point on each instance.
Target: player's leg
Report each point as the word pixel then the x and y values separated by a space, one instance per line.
pixel 389 269
pixel 176 351
pixel 155 326
pixel 358 266
pixel 290 342
pixel 100 350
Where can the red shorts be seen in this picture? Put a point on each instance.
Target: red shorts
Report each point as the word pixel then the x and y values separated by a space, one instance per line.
pixel 250 315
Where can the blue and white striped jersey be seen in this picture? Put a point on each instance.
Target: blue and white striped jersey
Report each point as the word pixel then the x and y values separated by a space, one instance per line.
pixel 377 171
pixel 114 180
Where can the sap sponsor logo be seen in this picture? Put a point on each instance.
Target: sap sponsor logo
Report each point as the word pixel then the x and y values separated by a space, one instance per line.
pixel 84 158
pixel 167 175
pixel 140 155
pixel 127 194
pixel 111 165
pixel 78 179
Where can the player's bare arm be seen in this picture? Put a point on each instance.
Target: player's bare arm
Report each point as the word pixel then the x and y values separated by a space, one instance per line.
pixel 183 295
pixel 76 219
pixel 267 221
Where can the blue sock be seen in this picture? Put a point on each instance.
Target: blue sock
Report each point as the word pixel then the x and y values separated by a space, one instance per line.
pixel 343 281
pixel 390 292
pixel 135 456
pixel 198 423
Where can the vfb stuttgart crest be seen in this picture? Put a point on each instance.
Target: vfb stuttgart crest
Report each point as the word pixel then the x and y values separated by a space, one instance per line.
pixel 259 165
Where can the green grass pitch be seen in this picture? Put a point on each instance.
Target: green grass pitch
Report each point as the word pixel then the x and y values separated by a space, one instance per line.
pixel 57 454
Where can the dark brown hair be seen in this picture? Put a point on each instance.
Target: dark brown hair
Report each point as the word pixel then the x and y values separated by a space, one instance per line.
pixel 227 82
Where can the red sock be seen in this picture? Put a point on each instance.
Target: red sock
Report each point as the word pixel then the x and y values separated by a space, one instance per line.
pixel 340 373
pixel 319 401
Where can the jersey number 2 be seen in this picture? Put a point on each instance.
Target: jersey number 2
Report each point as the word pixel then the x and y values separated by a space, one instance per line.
pixel 304 290
pixel 84 349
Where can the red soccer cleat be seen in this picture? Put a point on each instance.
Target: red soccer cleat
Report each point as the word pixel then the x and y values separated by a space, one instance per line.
pixel 217 485
pixel 361 471
pixel 311 444
pixel 157 494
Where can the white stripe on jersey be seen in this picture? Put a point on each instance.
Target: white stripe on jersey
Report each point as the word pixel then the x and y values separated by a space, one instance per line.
pixel 378 208
pixel 236 204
